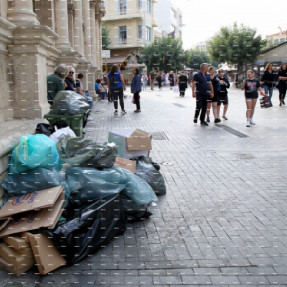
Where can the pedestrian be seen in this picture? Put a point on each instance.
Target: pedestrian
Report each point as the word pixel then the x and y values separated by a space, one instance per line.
pixel 55 82
pixel 282 83
pixel 182 84
pixel 212 102
pixel 251 86
pixel 144 81
pixel 222 96
pixel 268 79
pixel 152 78
pixel 201 89
pixel 117 86
pixel 136 88
pixel 171 79
pixel 159 80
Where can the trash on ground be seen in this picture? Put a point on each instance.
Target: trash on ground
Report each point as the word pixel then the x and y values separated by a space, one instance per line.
pixel 126 164
pixel 61 133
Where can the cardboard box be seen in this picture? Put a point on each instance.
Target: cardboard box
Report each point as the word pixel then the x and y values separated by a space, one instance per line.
pixel 16 260
pixel 31 211
pixel 16 242
pixel 47 257
pixel 11 269
pixel 131 143
pixel 127 164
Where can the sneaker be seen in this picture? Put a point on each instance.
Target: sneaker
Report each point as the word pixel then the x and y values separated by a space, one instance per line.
pixel 123 112
pixel 207 120
pixel 248 124
pixel 115 112
pixel 195 121
pixel 137 111
pixel 252 122
pixel 204 123
pixel 224 117
pixel 216 121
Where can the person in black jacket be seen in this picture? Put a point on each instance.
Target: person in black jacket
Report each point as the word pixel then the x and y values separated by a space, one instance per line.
pixel 282 84
pixel 182 84
pixel 222 94
pixel 136 89
pixel 269 79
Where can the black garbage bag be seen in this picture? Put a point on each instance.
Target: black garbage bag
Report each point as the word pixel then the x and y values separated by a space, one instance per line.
pixel 149 171
pixel 69 103
pixel 133 211
pixel 90 228
pixel 45 129
pixel 84 152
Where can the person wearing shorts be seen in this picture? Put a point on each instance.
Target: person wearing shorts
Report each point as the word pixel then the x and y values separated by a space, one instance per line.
pixel 251 86
pixel 222 96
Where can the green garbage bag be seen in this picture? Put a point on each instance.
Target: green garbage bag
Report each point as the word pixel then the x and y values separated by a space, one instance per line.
pixel 34 151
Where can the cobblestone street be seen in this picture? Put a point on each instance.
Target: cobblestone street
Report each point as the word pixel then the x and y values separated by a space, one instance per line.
pixel 223 220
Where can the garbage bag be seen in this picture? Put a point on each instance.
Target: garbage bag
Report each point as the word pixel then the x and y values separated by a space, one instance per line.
pixel 45 129
pixel 61 133
pixel 87 184
pixel 33 180
pixel 89 229
pixel 34 151
pixel 149 171
pixel 69 103
pixel 84 152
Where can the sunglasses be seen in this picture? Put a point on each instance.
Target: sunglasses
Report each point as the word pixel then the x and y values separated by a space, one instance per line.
pixel 71 72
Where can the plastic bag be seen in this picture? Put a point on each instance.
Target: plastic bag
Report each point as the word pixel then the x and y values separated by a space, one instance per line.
pixel 89 229
pixel 87 184
pixel 44 129
pixel 83 152
pixel 69 103
pixel 34 151
pixel 176 89
pixel 60 133
pixel 147 170
pixel 33 180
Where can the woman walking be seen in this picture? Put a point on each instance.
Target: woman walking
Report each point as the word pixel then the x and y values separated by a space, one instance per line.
pixel 212 102
pixel 251 86
pixel 136 89
pixel 117 86
pixel 268 79
pixel 159 80
pixel 222 96
pixel 182 84
pixel 282 84
pixel 144 81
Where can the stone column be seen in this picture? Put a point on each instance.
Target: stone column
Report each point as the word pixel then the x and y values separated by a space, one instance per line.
pixel 61 8
pixel 71 23
pixel 94 34
pixel 78 28
pixel 21 13
pixel 87 29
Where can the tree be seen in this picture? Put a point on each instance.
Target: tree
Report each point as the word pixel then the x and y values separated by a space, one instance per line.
pixel 196 57
pixel 236 45
pixel 105 37
pixel 164 54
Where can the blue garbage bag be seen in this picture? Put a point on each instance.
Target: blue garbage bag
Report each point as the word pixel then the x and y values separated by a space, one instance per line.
pixel 88 184
pixel 34 151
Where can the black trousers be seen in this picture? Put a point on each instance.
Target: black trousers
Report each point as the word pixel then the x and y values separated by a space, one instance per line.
pixel 201 107
pixel 137 100
pixel 282 91
pixel 118 94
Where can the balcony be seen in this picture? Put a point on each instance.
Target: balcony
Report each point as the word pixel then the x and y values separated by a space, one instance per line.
pixel 139 14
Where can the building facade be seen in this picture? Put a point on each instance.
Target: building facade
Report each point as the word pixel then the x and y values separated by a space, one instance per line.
pixel 277 38
pixel 169 18
pixel 36 36
pixel 130 24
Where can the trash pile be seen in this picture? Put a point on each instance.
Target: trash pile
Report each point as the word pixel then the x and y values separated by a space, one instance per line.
pixel 67 196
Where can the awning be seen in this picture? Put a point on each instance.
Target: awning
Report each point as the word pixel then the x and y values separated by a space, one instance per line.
pixel 114 60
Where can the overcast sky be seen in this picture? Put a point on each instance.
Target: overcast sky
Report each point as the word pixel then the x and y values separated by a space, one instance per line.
pixel 203 18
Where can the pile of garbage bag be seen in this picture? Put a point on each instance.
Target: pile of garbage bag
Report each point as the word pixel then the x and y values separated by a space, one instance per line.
pixel 69 103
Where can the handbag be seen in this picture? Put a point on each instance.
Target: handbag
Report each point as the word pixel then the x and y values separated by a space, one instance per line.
pixel 265 102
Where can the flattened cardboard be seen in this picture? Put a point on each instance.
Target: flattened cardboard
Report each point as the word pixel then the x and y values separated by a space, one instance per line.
pixel 127 164
pixel 11 269
pixel 16 242
pixel 139 133
pixel 47 257
pixel 34 219
pixel 139 140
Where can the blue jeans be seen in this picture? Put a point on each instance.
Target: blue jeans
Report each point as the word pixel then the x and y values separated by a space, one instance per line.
pixel 268 91
pixel 89 100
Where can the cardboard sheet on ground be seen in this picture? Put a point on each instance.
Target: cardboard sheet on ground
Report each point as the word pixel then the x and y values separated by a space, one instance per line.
pixel 31 211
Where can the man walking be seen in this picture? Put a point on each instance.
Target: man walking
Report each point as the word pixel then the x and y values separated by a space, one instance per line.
pixel 201 89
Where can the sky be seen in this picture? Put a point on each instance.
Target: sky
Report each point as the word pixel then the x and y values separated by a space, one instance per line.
pixel 203 18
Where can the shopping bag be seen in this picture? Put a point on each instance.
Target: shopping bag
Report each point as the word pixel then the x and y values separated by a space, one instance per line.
pixel 176 89
pixel 265 102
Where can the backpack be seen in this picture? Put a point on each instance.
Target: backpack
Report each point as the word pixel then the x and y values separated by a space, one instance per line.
pixel 113 81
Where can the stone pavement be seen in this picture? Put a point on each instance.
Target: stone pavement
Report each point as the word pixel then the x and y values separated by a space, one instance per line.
pixel 223 220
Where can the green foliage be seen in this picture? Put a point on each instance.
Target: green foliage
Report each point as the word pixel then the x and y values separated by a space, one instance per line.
pixel 105 37
pixel 236 45
pixel 164 54
pixel 196 57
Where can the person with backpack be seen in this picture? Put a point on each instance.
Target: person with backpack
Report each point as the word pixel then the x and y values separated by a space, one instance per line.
pixel 117 86
pixel 136 89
